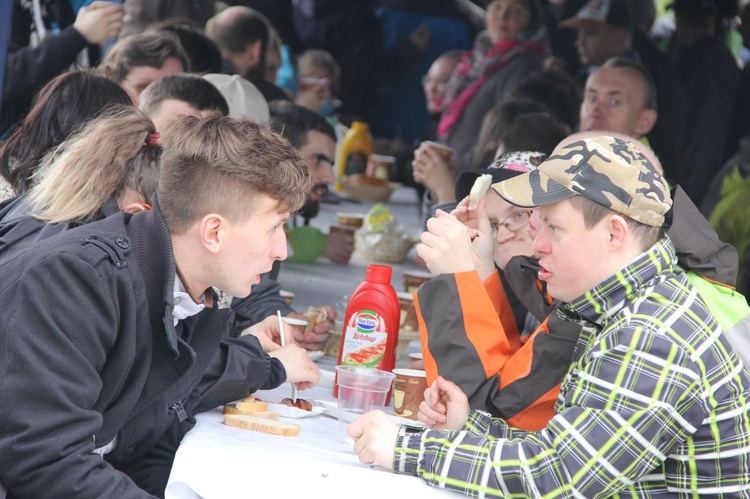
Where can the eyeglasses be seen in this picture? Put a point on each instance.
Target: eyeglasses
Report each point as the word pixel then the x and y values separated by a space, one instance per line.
pixel 514 222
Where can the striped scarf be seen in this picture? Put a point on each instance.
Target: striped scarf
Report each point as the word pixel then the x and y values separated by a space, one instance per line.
pixel 476 67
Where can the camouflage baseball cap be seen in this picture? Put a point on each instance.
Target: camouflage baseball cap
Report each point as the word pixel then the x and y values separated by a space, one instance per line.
pixel 604 169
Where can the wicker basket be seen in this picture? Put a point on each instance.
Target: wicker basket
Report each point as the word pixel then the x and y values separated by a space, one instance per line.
pixel 383 247
pixel 362 192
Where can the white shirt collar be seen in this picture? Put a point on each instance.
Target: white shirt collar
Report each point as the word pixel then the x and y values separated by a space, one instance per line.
pixel 184 306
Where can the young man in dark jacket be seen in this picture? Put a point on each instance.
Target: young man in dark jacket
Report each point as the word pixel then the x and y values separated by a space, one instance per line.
pixel 107 329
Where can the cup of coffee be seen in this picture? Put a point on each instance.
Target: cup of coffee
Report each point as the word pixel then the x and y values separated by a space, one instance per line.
pixel 380 166
pixel 408 313
pixel 408 392
pixel 348 219
pixel 343 229
pixel 444 151
pixel 288 296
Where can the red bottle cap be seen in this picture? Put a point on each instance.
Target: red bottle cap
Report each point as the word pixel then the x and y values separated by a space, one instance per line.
pixel 378 274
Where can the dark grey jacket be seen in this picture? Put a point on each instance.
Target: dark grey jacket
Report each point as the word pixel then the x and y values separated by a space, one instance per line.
pixel 89 354
pixel 464 135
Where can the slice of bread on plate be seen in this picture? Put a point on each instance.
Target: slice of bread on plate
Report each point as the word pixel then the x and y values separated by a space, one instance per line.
pixel 253 423
pixel 250 407
pixel 230 409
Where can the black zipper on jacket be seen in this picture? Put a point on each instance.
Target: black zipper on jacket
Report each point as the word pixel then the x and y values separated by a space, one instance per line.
pixel 178 408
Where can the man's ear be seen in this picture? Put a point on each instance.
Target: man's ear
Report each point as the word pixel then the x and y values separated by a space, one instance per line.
pixel 646 121
pixel 253 51
pixel 618 231
pixel 211 233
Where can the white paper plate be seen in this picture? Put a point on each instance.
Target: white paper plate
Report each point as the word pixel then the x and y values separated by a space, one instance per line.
pixel 317 354
pixel 295 322
pixel 293 412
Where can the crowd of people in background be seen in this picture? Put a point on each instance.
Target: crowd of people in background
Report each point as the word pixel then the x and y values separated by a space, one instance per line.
pixel 91 89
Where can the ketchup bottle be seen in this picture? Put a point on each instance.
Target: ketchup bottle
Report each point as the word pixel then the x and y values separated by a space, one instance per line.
pixel 371 324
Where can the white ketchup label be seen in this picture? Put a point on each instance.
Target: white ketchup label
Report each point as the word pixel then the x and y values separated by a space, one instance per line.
pixel 365 340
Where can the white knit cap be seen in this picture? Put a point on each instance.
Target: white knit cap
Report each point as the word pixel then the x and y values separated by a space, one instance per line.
pixel 244 99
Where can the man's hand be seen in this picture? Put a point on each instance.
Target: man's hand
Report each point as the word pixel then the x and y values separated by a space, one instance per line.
pixel 445 406
pixel 480 230
pixel 267 332
pixel 446 245
pixel 97 23
pixel 315 339
pixel 374 438
pixel 432 171
pixel 339 247
pixel 299 368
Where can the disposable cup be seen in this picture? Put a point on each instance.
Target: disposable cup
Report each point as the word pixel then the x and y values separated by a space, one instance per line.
pixel 344 229
pixel 408 392
pixel 287 295
pixel 351 219
pixel 444 151
pixel 361 390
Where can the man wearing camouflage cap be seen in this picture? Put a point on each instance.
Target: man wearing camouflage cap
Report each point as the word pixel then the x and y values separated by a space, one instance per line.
pixel 656 402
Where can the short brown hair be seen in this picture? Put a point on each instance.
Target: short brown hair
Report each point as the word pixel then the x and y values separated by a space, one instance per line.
pixel 218 164
pixel 150 48
pixel 593 213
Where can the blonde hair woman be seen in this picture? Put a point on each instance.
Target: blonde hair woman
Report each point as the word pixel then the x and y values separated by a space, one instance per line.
pixel 110 165
pixel 113 157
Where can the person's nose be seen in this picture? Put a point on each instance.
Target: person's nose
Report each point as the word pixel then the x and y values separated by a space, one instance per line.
pixel 326 175
pixel 540 244
pixel 534 223
pixel 503 235
pixel 279 247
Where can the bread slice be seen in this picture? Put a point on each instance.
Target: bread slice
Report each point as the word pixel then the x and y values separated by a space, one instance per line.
pixel 479 189
pixel 250 407
pixel 246 422
pixel 230 409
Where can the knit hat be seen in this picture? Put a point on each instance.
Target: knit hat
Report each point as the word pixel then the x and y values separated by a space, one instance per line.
pixel 509 165
pixel 244 99
pixel 604 169
pixel 596 13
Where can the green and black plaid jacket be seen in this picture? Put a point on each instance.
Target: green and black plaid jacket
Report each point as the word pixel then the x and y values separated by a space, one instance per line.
pixel 656 404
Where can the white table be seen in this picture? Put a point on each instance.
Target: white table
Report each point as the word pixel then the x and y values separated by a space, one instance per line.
pixel 327 283
pixel 216 461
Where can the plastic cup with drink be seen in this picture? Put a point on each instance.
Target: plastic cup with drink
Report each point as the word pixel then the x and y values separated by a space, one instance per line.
pixel 361 390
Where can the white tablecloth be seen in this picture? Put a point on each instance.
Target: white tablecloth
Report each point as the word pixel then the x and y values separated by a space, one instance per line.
pixel 216 461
